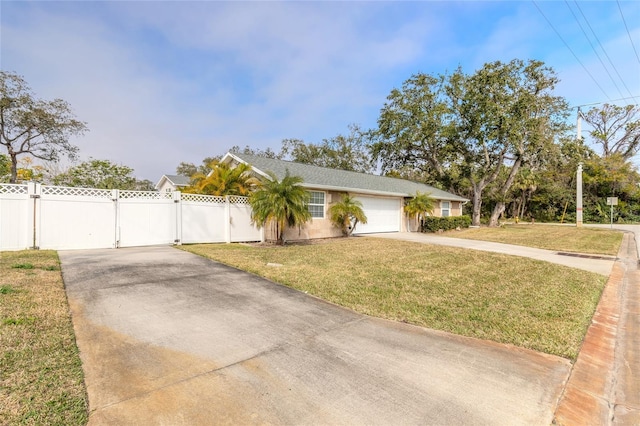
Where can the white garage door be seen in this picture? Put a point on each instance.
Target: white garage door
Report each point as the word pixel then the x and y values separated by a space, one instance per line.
pixel 383 215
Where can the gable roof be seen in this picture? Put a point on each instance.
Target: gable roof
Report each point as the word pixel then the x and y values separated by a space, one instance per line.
pixel 340 180
pixel 175 180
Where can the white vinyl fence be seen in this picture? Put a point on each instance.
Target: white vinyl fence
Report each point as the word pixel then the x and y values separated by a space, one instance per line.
pixel 55 217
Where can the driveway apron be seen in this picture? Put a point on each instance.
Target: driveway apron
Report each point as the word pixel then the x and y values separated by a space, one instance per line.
pixel 168 337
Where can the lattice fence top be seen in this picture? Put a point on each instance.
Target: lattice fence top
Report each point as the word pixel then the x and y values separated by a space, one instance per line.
pixel 21 189
pixel 236 199
pixel 76 192
pixel 145 195
pixel 11 188
pixel 199 198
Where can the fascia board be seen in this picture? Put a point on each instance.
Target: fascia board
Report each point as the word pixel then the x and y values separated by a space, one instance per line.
pixel 161 181
pixel 354 190
pixel 229 156
pixel 373 192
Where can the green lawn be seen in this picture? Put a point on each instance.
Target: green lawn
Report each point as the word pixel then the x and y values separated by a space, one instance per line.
pixel 549 237
pixel 41 379
pixel 529 303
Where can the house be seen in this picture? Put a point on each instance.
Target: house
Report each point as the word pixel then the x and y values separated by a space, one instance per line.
pixel 382 197
pixel 170 183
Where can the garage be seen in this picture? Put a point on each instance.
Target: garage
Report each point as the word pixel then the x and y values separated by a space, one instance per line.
pixel 383 215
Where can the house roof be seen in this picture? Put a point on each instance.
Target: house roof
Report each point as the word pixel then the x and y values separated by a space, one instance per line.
pixel 175 180
pixel 340 180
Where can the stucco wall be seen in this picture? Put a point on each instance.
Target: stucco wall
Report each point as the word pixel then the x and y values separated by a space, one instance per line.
pixel 454 210
pixel 323 228
pixel 317 227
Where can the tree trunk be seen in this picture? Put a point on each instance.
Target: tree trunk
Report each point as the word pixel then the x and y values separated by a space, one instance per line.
pixel 495 214
pixel 279 233
pixel 477 204
pixel 14 169
pixel 499 207
pixel 352 227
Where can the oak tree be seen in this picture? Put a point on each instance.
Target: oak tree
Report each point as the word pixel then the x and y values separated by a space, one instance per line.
pixel 616 129
pixel 474 131
pixel 102 174
pixel 35 127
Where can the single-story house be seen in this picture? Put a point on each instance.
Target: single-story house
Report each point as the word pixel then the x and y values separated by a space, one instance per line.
pixel 170 183
pixel 382 197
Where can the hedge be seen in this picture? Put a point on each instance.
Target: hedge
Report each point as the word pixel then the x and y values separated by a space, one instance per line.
pixel 435 224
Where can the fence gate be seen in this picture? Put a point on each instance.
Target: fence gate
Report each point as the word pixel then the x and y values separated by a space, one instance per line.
pixel 53 217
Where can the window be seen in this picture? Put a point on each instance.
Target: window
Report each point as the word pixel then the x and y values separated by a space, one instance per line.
pixel 445 208
pixel 316 204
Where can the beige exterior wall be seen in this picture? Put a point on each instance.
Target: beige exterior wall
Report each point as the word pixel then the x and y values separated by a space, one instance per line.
pixel 455 208
pixel 323 228
pixel 317 227
pixel 410 224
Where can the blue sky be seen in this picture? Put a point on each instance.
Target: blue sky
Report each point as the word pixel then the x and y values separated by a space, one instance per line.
pixel 160 82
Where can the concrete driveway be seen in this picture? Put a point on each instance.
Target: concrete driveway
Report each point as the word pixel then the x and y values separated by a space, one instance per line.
pixel 167 337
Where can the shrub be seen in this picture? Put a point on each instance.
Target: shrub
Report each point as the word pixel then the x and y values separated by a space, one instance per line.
pixel 434 224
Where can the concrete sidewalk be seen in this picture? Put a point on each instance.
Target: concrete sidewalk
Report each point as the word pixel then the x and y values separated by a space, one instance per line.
pixel 601 265
pixel 168 337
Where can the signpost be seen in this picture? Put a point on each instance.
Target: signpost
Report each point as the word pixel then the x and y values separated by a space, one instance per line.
pixel 612 201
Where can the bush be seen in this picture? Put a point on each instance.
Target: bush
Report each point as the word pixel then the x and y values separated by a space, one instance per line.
pixel 434 224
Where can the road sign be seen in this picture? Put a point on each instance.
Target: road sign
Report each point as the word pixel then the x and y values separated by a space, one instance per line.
pixel 612 201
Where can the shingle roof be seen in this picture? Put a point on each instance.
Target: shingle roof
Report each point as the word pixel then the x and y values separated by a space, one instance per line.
pixel 176 180
pixel 179 180
pixel 342 180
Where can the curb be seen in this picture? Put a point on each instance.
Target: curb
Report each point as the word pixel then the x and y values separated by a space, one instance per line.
pixel 593 388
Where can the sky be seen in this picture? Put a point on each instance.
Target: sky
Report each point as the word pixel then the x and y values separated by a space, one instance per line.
pixel 164 82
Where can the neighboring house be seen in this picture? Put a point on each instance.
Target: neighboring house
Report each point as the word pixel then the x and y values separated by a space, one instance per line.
pixel 382 197
pixel 170 183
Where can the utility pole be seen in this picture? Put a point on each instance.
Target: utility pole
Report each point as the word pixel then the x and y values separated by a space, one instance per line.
pixel 579 196
pixel 579 177
pixel 579 124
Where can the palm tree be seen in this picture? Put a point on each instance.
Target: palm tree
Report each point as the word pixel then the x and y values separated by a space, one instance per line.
pixel 224 180
pixel 419 206
pixel 281 203
pixel 346 214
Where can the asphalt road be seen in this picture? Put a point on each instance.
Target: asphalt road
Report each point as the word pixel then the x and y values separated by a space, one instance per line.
pixel 168 337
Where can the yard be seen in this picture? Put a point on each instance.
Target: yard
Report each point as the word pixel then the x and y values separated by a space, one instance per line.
pixel 41 378
pixel 549 237
pixel 507 299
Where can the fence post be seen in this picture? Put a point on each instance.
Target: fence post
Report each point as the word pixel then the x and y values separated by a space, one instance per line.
pixel 227 219
pixel 34 191
pixel 177 200
pixel 116 211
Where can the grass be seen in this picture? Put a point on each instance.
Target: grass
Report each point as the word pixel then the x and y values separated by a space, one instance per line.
pixel 507 299
pixel 549 237
pixel 41 379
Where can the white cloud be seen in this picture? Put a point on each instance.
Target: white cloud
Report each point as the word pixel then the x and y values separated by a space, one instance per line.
pixel 164 82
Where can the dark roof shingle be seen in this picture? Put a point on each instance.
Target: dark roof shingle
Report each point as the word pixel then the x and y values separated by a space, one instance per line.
pixel 325 178
pixel 179 180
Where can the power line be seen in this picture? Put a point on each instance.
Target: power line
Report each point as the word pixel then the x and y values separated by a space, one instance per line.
pixel 628 33
pixel 604 102
pixel 593 47
pixel 603 50
pixel 570 49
